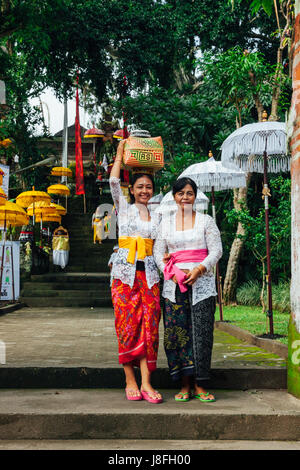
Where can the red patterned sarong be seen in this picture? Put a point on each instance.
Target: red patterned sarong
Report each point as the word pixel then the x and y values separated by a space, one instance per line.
pixel 137 316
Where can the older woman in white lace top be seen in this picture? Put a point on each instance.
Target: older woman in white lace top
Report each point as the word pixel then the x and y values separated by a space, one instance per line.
pixel 187 247
pixel 135 283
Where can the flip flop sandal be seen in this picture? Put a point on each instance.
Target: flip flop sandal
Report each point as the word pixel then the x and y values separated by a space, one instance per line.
pixel 205 395
pixel 182 396
pixel 133 397
pixel 151 399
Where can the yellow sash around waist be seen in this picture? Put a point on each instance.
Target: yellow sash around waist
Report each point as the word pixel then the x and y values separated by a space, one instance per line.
pixel 143 247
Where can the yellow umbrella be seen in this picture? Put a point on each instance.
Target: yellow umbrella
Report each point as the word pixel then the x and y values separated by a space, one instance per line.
pixel 59 189
pixel 10 208
pixel 16 220
pixel 61 171
pixel 3 196
pixel 28 197
pixel 49 218
pixel 60 209
pixel 40 207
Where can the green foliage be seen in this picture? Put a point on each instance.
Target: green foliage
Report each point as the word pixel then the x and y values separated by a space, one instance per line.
pixel 249 294
pixel 251 318
pixel 253 221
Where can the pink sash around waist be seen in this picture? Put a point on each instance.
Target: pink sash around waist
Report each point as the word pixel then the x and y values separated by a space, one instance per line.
pixel 184 256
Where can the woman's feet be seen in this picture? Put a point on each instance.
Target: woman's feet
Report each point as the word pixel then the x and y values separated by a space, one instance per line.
pixel 203 395
pixel 185 392
pixel 149 394
pixel 133 394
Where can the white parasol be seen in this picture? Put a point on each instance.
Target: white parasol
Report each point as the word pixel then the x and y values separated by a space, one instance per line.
pixel 212 173
pixel 245 147
pixel 211 176
pixel 259 147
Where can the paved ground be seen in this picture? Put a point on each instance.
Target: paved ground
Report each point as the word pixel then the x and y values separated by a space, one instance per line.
pixel 86 337
pixel 144 445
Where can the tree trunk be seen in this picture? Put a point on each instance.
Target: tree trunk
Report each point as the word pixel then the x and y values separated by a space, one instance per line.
pixel 230 282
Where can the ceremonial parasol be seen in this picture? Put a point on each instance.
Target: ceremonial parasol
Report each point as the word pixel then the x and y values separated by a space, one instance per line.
pixel 61 210
pixel 61 171
pixel 31 197
pixel 28 197
pixel 58 189
pixel 119 134
pixel 10 213
pixel 211 176
pixel 259 147
pixel 55 217
pixel 40 207
pixel 94 134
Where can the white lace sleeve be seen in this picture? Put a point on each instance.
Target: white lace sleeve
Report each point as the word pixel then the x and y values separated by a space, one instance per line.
pixel 213 242
pixel 117 195
pixel 159 249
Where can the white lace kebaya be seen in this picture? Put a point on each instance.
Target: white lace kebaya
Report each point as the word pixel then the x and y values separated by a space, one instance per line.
pixel 204 235
pixel 131 225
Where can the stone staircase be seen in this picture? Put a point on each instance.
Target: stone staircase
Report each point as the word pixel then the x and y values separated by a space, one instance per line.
pixel 85 281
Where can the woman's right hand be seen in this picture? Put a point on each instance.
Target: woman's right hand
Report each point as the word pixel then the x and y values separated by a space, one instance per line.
pixel 166 257
pixel 120 149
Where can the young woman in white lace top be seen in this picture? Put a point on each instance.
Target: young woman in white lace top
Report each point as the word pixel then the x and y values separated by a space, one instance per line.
pixel 135 283
pixel 187 247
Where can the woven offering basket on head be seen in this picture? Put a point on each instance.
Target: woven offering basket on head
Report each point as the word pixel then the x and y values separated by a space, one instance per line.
pixel 141 152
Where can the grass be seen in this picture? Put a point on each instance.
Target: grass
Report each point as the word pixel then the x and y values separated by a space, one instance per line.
pixel 252 319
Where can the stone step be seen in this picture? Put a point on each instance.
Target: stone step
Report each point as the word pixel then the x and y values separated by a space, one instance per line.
pixel 88 276
pixel 85 267
pixel 105 414
pixel 67 293
pixel 73 301
pixel 104 376
pixel 65 285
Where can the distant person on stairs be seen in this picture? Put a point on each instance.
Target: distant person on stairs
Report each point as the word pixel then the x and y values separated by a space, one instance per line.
pixel 97 226
pixel 61 247
pixel 135 285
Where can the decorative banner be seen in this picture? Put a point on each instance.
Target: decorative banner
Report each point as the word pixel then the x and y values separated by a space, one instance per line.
pixel 65 141
pixel 78 151
pixel 10 288
pixel 5 183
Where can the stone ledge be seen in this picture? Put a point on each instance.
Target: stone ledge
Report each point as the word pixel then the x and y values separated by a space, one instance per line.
pixel 270 345
pixel 11 307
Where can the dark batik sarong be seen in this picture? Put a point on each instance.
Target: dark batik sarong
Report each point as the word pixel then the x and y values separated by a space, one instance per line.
pixel 188 336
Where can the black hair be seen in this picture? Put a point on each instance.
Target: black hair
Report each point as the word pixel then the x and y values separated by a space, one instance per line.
pixel 181 183
pixel 134 179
